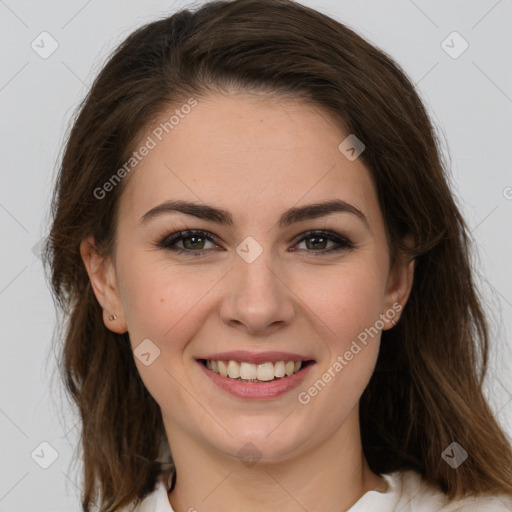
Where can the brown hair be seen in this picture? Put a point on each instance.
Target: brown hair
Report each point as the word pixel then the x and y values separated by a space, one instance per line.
pixel 426 391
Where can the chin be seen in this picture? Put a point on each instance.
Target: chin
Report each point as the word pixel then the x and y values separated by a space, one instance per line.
pixel 264 444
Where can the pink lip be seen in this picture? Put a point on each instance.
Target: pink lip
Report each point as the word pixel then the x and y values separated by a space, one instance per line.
pixel 255 357
pixel 257 391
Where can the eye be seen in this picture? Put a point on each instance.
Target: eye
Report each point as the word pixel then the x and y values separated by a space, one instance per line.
pixel 193 242
pixel 321 238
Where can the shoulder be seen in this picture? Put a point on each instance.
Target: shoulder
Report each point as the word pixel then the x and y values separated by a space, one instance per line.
pixel 416 494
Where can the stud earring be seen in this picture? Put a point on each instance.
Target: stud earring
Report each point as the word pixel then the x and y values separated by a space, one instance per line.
pixel 112 317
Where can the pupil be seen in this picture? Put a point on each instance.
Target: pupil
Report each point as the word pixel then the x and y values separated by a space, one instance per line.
pixel 316 238
pixel 190 238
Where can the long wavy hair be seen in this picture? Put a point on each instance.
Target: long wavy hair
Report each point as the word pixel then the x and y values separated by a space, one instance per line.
pixel 426 391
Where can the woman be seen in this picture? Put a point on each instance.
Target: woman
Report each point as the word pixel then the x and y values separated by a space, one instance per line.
pixel 268 281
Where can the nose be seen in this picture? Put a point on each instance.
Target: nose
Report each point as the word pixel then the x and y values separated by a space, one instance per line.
pixel 257 298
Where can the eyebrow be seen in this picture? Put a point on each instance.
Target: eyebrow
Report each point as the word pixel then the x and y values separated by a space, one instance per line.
pixel 224 217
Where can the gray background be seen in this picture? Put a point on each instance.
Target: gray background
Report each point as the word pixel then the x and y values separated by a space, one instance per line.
pixel 470 101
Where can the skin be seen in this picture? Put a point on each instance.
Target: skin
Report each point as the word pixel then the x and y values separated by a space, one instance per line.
pixel 256 157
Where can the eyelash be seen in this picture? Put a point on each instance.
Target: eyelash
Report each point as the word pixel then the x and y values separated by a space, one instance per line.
pixel 169 242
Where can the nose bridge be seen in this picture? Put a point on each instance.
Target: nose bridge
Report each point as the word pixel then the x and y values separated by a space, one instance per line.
pixel 254 274
pixel 257 296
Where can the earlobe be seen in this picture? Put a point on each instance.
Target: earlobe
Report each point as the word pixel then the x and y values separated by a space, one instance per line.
pixel 101 274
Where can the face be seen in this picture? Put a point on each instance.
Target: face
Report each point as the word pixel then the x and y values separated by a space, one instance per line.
pixel 258 282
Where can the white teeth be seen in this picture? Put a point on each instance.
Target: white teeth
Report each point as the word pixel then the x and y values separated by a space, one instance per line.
pixel 233 370
pixel 254 372
pixel 279 369
pixel 223 368
pixel 266 371
pixel 248 371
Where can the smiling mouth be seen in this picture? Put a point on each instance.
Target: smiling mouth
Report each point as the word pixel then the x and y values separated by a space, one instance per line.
pixel 255 373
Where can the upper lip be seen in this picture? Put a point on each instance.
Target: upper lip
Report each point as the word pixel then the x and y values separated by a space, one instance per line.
pixel 255 357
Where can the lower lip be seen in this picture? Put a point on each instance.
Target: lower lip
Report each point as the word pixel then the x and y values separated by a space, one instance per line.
pixel 256 390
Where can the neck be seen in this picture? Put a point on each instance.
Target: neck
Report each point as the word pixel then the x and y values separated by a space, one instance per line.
pixel 329 477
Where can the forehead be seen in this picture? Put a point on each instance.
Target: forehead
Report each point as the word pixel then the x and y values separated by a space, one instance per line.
pixel 252 155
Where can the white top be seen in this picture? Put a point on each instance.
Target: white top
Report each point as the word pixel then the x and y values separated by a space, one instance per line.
pixel 407 492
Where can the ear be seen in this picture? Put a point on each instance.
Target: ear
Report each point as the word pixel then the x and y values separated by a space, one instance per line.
pixel 398 288
pixel 103 279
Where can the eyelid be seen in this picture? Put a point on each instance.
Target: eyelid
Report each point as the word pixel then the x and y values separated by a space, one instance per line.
pixel 342 242
pixel 186 233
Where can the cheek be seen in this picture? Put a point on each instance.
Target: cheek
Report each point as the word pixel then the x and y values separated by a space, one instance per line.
pixel 162 306
pixel 345 301
pixel 347 311
pixel 156 297
pixel 165 302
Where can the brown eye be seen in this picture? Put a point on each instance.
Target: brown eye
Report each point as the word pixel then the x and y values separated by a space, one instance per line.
pixel 317 242
pixel 193 242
